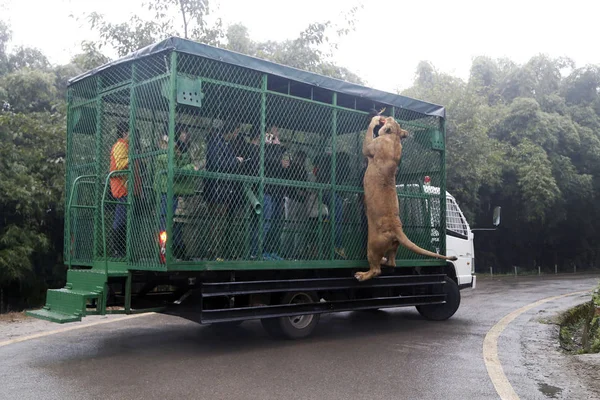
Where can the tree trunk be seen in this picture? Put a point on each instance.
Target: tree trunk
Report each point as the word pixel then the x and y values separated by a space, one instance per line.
pixel 1 299
pixel 185 25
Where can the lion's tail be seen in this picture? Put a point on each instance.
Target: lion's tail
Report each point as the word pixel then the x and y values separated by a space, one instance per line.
pixel 405 241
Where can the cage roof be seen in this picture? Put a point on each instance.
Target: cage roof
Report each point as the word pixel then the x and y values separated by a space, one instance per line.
pixel 257 64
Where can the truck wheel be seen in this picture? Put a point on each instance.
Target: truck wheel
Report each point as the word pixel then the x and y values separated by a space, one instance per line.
pixel 297 326
pixel 441 312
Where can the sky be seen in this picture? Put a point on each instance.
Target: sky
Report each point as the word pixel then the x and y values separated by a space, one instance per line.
pixel 390 37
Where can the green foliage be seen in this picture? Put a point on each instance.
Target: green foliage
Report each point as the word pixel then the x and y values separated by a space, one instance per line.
pixel 32 140
pixel 304 52
pixel 27 57
pixel 580 327
pixel 29 90
pixel 527 138
pixel 310 51
pixel 126 37
pixel 90 57
pixel 5 35
pixel 31 190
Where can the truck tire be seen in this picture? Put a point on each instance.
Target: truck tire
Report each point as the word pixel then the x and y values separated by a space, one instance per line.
pixel 441 312
pixel 297 326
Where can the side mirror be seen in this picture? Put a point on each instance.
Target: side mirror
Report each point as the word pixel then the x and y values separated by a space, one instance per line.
pixel 496 217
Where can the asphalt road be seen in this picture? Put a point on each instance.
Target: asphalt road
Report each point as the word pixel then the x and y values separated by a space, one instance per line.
pixel 393 354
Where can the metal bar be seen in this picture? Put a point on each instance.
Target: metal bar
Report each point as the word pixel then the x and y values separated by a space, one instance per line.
pixel 128 284
pixel 115 88
pixel 145 82
pixel 132 139
pixel 284 310
pixel 239 288
pixel 83 207
pixel 261 191
pixel 443 191
pixel 98 223
pixel 68 216
pixel 231 85
pixel 171 157
pixel 287 265
pixel 83 103
pixel 67 239
pixel 332 219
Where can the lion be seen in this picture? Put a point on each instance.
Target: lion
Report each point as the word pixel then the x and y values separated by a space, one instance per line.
pixel 385 232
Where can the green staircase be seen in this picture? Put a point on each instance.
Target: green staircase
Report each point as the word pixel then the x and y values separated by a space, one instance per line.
pixel 69 303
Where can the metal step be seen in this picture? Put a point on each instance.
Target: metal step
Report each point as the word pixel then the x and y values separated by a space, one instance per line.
pixel 53 316
pixel 69 303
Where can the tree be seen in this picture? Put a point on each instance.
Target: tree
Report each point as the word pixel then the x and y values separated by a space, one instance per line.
pixel 527 138
pixel 5 36
pixel 126 37
pixel 27 57
pixel 90 57
pixel 28 90
pixel 31 182
pixel 311 51
pixel 32 132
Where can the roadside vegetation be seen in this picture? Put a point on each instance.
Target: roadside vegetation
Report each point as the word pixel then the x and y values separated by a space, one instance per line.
pixel 580 327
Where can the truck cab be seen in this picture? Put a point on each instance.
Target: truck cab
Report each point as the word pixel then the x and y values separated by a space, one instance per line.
pixel 459 237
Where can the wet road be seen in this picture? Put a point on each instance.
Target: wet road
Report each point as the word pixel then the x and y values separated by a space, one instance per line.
pixel 392 354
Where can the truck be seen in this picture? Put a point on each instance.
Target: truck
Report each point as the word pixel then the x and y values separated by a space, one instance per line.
pixel 220 187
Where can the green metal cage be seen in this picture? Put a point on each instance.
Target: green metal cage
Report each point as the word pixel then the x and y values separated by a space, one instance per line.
pixel 235 163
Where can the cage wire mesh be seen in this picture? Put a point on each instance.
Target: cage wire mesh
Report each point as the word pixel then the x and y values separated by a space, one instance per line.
pixel 225 163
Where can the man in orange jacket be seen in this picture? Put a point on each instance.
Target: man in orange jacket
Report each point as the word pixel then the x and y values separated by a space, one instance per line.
pixel 119 160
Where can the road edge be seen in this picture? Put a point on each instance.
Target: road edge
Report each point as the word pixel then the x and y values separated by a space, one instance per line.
pixel 490 346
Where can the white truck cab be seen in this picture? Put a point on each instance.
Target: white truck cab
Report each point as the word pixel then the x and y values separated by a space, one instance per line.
pixel 459 235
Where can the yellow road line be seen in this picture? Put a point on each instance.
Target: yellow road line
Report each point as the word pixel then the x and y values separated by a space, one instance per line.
pixel 490 347
pixel 71 328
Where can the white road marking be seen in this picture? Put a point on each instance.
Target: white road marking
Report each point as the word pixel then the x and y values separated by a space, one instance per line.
pixel 490 347
pixel 71 328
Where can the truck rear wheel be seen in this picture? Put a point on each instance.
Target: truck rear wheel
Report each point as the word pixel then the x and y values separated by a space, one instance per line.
pixel 441 312
pixel 296 326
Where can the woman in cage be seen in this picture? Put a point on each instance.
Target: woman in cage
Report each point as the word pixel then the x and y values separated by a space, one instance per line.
pixel 183 185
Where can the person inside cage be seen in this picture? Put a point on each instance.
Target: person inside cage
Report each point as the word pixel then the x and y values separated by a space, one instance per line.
pixel 272 207
pixel 119 161
pixel 184 185
pixel 222 195
pixel 294 207
pixel 322 173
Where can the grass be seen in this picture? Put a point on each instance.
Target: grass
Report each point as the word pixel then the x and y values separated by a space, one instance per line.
pixel 580 327
pixel 13 317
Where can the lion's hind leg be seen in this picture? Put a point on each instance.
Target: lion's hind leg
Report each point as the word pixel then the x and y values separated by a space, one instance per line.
pixel 375 251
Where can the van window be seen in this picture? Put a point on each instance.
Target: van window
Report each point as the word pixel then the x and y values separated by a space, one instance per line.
pixel 454 219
